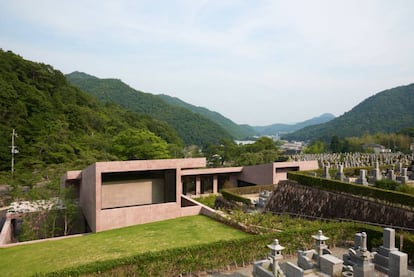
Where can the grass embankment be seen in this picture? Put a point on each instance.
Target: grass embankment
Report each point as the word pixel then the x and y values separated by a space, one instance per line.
pixel 26 260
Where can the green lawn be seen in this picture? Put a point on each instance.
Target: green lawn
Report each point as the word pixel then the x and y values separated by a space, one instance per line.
pixel 47 256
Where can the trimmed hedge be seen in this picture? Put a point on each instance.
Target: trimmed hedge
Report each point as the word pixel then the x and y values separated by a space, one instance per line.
pixel 251 189
pixel 235 197
pixel 390 197
pixel 235 194
pixel 220 254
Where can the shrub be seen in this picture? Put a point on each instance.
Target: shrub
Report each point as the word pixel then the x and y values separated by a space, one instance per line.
pixel 235 197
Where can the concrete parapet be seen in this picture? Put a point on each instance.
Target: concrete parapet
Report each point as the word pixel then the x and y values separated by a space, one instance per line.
pixel 6 235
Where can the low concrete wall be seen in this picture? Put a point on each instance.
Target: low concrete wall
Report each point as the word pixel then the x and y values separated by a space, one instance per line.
pixel 187 211
pixel 6 235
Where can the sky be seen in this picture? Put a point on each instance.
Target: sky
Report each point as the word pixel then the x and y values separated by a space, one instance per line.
pixel 256 62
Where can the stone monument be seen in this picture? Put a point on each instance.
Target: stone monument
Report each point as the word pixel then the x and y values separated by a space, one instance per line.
pixel 326 172
pixel 363 258
pixel 340 173
pixel 388 259
pixel 362 180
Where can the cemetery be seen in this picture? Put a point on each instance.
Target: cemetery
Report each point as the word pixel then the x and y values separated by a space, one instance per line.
pixel 386 260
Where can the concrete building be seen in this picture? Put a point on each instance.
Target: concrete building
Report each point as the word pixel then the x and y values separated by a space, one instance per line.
pixel 123 193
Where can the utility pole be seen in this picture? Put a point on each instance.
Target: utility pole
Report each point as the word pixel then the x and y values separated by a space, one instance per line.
pixel 13 151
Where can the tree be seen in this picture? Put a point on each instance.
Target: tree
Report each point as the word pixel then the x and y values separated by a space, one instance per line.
pixel 336 145
pixel 316 147
pixel 135 144
pixel 70 209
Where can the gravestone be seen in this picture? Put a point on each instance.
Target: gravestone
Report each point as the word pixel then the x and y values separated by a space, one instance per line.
pixel 363 258
pixel 404 176
pixel 326 172
pixel 362 180
pixel 388 259
pixel 391 175
pixel 340 173
pixel 376 173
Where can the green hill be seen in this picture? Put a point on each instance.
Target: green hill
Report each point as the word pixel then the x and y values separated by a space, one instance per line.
pixel 192 127
pixel 60 124
pixel 236 130
pixel 388 111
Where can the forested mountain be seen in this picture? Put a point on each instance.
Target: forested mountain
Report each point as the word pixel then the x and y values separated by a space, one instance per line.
pixel 288 128
pixel 385 112
pixel 58 123
pixel 192 127
pixel 236 130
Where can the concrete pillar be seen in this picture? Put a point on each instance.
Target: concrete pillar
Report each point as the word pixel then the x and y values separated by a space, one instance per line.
pixel 198 185
pixel 178 186
pixel 215 184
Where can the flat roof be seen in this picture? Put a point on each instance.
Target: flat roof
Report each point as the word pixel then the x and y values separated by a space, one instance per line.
pixel 206 171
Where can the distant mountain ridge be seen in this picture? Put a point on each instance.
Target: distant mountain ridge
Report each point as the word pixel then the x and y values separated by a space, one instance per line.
pixel 192 127
pixel 388 111
pixel 238 131
pixel 280 128
pixel 195 125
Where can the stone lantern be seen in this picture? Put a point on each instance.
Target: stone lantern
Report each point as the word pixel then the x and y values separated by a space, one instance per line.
pixel 320 243
pixel 275 254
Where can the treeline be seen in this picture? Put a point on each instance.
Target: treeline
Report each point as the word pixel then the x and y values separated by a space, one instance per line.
pixel 396 142
pixel 228 153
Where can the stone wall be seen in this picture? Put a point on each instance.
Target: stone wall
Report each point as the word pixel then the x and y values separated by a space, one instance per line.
pixel 291 197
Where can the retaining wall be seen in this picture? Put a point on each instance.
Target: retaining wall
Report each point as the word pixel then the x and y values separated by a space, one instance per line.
pixel 291 197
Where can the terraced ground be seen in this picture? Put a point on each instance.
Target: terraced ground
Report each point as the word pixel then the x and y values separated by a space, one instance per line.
pixel 26 260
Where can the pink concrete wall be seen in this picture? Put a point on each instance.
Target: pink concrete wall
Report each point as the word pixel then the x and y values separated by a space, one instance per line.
pixel 211 171
pixel 258 174
pixel 178 186
pixel 6 233
pixel 88 196
pixel 143 165
pixel 281 169
pixel 187 211
pixel 122 217
pixel 116 218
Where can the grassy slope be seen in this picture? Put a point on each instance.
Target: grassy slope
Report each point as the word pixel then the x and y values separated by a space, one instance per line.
pixel 53 255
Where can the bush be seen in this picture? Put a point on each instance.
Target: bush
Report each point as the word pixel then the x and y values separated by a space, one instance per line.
pixel 207 200
pixel 250 189
pixel 235 197
pixel 386 184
